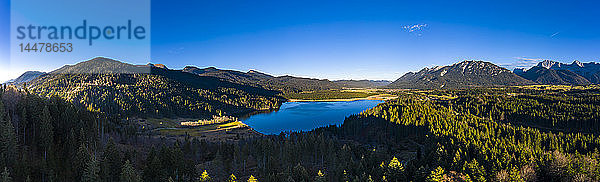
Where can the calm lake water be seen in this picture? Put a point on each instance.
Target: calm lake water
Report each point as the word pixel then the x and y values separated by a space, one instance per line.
pixel 305 116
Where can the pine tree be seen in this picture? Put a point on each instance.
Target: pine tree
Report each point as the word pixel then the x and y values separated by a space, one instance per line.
pixel 395 170
pixel 91 172
pixel 153 170
pixel 2 110
pixel 24 122
pixel 46 131
pixel 82 157
pixel 128 173
pixel 6 175
pixel 299 173
pixel 395 165
pixel 112 161
pixel 475 171
pixel 514 174
pixel 8 143
pixel 457 158
pixel 436 175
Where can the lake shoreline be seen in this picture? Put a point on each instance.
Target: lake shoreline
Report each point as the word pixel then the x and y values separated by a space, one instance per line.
pixel 374 97
pixel 306 116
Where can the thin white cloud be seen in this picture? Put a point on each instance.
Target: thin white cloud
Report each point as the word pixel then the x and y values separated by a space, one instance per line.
pixel 554 34
pixel 528 59
pixel 416 29
pixel 521 62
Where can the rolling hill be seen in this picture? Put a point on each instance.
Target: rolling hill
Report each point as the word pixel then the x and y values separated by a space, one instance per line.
pixel 460 75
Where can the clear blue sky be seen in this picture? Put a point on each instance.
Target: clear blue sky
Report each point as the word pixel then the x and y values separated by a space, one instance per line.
pixel 4 39
pixel 366 39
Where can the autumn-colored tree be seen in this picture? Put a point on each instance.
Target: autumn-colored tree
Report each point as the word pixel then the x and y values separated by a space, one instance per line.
pixel 232 178
pixel 252 179
pixel 204 177
pixel 436 175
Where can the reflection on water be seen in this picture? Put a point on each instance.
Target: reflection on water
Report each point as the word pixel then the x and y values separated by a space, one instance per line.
pixel 305 116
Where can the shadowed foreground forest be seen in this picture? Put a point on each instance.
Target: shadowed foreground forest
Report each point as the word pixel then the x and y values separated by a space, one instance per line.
pixel 502 134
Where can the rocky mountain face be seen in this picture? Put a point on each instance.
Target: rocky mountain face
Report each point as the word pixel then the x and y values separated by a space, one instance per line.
pixel 555 77
pixel 460 75
pixel 552 72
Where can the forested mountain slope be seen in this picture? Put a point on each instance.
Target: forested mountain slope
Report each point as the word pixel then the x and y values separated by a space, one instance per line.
pixel 118 88
pixel 26 77
pixel 255 78
pixel 498 134
pixel 487 135
pixel 419 137
pixel 45 139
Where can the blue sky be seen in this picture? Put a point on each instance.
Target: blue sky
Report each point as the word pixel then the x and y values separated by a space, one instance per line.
pixel 365 39
pixel 4 39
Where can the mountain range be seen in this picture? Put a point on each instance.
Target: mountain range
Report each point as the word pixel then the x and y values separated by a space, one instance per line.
pixel 460 75
pixel 153 90
pixel 282 83
pixel 258 79
pixel 362 83
pixel 552 72
pixel 26 77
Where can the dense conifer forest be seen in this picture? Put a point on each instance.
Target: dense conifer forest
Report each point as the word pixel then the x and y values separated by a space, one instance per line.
pixel 496 134
pixel 161 93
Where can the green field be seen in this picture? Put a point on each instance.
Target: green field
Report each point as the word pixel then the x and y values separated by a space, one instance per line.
pixel 199 131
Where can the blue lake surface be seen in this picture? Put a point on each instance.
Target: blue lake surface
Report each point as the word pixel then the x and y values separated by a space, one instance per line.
pixel 305 116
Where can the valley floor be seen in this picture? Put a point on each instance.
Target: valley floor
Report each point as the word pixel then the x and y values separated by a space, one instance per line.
pixel 217 129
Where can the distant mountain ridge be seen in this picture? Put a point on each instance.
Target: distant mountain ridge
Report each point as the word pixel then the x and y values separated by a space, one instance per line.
pixel 553 72
pixel 255 78
pixel 109 86
pixel 157 65
pixel 102 65
pixel 543 75
pixel 26 77
pixel 460 75
pixel 362 83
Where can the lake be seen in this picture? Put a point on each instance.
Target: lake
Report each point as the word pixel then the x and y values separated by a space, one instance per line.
pixel 305 116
